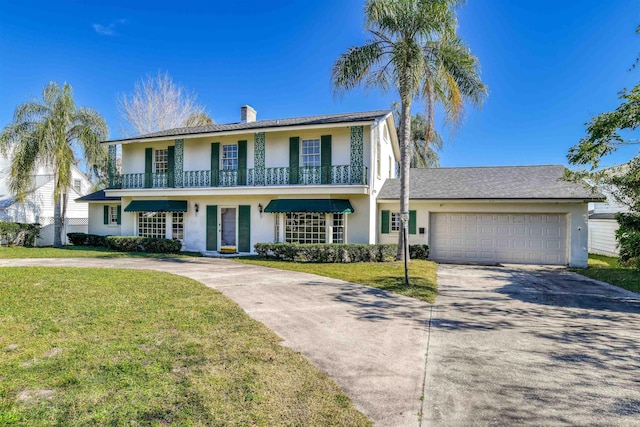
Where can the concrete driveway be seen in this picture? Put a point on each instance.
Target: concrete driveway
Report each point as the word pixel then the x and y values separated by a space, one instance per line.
pixel 372 343
pixel 536 346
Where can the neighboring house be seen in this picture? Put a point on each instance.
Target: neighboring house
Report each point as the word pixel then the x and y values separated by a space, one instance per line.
pixel 323 179
pixel 38 206
pixel 603 225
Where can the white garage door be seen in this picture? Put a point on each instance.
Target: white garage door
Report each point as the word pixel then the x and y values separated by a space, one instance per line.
pixel 498 237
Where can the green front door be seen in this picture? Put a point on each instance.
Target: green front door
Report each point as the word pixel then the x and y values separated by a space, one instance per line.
pixel 212 228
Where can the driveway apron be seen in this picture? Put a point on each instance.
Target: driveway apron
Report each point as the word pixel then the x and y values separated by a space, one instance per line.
pixel 538 346
pixel 371 342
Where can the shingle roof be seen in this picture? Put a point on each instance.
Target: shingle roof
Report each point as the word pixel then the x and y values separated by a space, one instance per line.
pixel 98 196
pixel 505 182
pixel 264 124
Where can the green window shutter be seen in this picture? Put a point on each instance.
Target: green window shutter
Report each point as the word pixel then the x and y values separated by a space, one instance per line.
pixel 244 228
pixel 294 159
pixel 212 228
pixel 325 159
pixel 215 163
pixel 105 211
pixel 412 222
pixel 171 162
pixel 384 222
pixel 148 167
pixel 119 214
pixel 242 162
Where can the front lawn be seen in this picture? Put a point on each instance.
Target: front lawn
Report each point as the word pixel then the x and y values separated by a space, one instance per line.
pixel 120 347
pixel 383 275
pixel 607 269
pixel 80 252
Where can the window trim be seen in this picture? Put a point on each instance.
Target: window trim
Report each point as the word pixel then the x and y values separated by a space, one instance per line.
pixel 165 161
pixel 223 158
pixel 303 154
pixel 113 214
pixel 398 220
pixel 160 215
pixel 77 188
pixel 379 159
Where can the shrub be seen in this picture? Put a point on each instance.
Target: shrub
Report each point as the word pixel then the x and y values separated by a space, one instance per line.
pixel 19 234
pixel 628 236
pixel 336 252
pixel 84 239
pixel 419 251
pixel 144 244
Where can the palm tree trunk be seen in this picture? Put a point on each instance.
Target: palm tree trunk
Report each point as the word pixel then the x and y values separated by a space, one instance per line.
pixel 57 224
pixel 405 165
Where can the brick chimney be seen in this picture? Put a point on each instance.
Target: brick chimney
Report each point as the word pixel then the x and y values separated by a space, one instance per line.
pixel 247 114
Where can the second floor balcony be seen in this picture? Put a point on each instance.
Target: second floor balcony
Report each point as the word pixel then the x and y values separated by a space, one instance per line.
pixel 312 175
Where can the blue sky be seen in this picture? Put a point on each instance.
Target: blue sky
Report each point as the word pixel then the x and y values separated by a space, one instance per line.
pixel 549 65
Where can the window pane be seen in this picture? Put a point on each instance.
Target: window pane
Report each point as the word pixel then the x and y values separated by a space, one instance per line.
pixel 152 224
pixel 310 153
pixel 305 227
pixel 160 163
pixel 177 226
pixel 230 157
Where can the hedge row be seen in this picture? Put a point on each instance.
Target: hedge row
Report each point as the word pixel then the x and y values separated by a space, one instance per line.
pixel 127 243
pixel 19 234
pixel 628 236
pixel 338 253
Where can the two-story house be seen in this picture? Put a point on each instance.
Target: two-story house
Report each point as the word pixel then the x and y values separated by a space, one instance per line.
pixel 223 188
pixel 331 179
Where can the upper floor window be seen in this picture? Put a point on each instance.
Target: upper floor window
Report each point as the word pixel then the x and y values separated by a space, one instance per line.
pixel 160 164
pixel 77 185
pixel 230 157
pixel 390 167
pixel 310 154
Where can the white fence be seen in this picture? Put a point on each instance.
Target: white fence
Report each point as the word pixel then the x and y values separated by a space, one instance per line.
pixel 72 225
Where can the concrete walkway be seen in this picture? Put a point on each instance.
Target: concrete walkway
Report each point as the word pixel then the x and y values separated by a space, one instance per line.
pixel 372 343
pixel 532 346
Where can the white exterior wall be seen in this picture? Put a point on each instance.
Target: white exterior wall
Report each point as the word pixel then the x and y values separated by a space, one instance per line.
pixel 40 204
pixel 96 220
pixel 602 237
pixel 197 151
pixel 262 226
pixel 577 214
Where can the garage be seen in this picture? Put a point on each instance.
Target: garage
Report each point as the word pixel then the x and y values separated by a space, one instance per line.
pixel 499 237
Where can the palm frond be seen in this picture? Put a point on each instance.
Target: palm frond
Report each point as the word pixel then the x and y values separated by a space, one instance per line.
pixel 352 67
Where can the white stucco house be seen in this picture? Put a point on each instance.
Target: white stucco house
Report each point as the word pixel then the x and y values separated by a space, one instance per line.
pixel 38 206
pixel 331 178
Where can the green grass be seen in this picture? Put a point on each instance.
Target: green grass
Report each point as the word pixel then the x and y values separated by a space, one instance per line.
pixel 119 347
pixel 81 252
pixel 383 275
pixel 607 269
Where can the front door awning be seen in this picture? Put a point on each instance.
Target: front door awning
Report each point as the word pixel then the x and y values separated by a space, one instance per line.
pixel 157 206
pixel 310 205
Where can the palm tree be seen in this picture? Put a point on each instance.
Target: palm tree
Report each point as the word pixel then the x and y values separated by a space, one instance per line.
pixel 414 48
pixel 48 133
pixel 423 154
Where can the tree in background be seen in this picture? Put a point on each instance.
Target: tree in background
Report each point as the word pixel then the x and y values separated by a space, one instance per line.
pixel 605 134
pixel 423 154
pixel 415 50
pixel 48 133
pixel 157 103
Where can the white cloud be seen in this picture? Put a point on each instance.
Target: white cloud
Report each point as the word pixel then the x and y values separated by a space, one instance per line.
pixel 108 30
